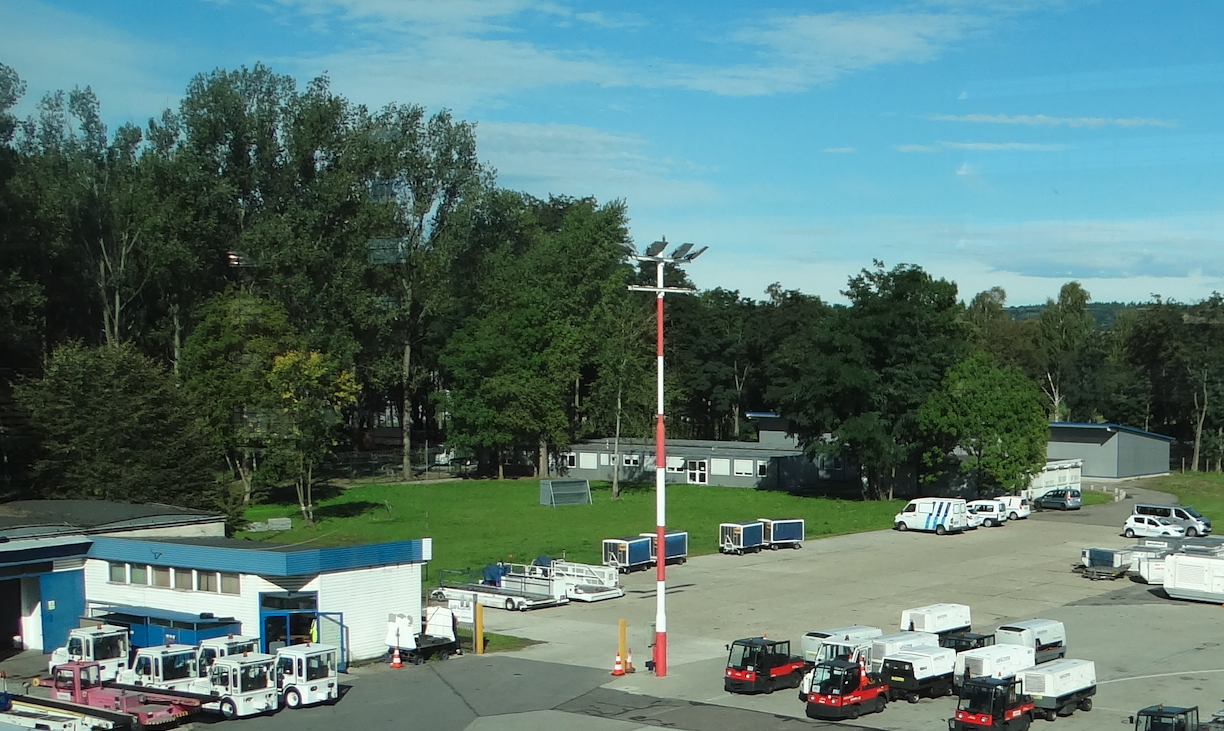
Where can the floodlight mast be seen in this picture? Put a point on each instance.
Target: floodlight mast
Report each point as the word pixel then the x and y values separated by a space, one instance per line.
pixel 681 255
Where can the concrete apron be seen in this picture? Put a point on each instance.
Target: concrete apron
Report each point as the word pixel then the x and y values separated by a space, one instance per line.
pixel 1018 571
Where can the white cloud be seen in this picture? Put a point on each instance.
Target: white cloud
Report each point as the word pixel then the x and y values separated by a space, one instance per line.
pixel 915 148
pixel 840 150
pixel 1042 120
pixel 612 20
pixel 574 160
pixel 1000 146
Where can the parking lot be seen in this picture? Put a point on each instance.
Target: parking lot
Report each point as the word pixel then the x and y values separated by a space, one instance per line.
pixel 1147 649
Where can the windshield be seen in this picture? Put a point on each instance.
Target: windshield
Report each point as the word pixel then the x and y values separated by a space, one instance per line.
pixel 1166 722
pixel 900 668
pixel 1193 512
pixel 254 677
pixel 241 647
pixel 742 657
pixel 320 666
pixel 830 680
pixel 180 665
pixel 834 651
pixel 109 648
pixel 977 699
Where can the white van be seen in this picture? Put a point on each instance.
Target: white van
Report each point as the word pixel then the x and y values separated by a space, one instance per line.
pixel 1183 515
pixel 992 512
pixel 939 514
pixel 1018 507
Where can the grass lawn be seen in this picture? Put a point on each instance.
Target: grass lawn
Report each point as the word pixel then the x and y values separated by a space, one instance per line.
pixel 475 522
pixel 1093 497
pixel 1203 491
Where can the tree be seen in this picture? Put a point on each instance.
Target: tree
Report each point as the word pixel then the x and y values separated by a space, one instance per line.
pixel 309 393
pixel 992 413
pixel 115 427
pixel 1062 329
pixel 1011 342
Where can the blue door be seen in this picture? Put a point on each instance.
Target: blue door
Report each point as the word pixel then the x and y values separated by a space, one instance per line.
pixel 63 602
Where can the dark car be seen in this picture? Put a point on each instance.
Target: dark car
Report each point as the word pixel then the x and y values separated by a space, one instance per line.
pixel 1060 499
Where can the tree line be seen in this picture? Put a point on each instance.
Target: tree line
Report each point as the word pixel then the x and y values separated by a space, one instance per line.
pixel 209 304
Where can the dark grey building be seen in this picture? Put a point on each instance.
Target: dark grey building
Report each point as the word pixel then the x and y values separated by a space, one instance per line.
pixel 1110 450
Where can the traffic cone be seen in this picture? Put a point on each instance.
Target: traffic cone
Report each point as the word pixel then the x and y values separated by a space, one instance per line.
pixel 618 668
pixel 395 659
pixel 629 662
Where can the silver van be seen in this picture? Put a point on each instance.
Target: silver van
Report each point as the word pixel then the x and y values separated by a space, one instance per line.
pixel 1183 515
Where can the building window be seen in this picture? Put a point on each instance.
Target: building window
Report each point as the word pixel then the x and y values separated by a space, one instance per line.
pixel 837 462
pixel 605 459
pixel 762 469
pixel 569 459
pixel 182 579
pixel 675 464
pixel 587 461
pixel 161 576
pixel 229 584
pixel 206 581
pixel 140 574
pixel 720 466
pixel 743 468
pixel 118 573
pixel 631 460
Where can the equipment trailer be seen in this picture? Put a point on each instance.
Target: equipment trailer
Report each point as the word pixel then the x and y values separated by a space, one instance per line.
pixel 495 589
pixel 921 671
pixel 1059 687
pixel 77 685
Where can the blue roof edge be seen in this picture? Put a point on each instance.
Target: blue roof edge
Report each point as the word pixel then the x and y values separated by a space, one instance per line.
pixel 1119 427
pixel 256 561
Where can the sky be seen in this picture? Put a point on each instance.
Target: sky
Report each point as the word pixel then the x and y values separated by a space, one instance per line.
pixel 1011 143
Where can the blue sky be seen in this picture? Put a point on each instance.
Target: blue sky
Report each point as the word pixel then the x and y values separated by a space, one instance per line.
pixel 1017 143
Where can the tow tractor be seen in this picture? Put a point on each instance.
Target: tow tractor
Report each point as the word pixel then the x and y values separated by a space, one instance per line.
pixel 240 685
pixel 105 644
pixel 213 648
pixel 1175 718
pixel 994 703
pixel 842 689
pixel 306 674
pixel 76 687
pixel 760 665
pixel 169 667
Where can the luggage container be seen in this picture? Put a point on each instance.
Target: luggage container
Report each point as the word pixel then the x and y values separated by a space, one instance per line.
pixel 1058 688
pixel 918 672
pixel 1113 558
pixel 630 553
pixel 842 642
pixel 1197 578
pixel 886 645
pixel 996 661
pixel 675 546
pixel 941 619
pixel 782 532
pixel 740 537
pixel 1047 637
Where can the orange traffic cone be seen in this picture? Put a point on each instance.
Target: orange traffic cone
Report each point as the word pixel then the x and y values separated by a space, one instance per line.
pixel 629 661
pixel 395 659
pixel 618 668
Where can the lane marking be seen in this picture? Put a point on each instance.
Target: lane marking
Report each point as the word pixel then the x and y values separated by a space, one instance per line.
pixel 1159 675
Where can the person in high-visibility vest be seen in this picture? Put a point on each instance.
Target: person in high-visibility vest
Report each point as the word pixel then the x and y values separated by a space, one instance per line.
pixel 314 630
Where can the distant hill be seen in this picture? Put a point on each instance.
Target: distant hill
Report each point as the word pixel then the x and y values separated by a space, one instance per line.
pixel 1103 313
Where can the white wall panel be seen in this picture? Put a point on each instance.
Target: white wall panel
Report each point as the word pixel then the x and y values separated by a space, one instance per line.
pixel 367 597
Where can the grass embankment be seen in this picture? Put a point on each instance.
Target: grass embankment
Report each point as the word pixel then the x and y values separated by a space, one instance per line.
pixel 1093 497
pixel 475 522
pixel 494 642
pixel 1204 491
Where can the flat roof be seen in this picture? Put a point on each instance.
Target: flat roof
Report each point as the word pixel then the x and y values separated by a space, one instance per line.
pixel 1108 427
pixel 53 516
pixel 166 614
pixel 18 551
pixel 689 447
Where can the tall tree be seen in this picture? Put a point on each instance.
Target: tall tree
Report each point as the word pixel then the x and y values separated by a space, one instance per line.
pixel 1062 329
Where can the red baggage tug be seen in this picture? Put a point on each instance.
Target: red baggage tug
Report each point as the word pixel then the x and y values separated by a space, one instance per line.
pixel 844 689
pixel 992 703
pixel 760 665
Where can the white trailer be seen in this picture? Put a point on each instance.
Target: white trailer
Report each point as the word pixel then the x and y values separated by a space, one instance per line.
pixel 499 586
pixel 1047 637
pixel 306 674
pixel 1196 578
pixel 843 640
pixel 1059 687
pixel 106 644
pixel 886 645
pixel 941 619
pixel 919 671
pixel 996 661
pixel 582 582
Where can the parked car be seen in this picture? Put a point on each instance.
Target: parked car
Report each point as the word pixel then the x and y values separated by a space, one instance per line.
pixel 1183 515
pixel 1148 527
pixel 1018 508
pixel 1060 499
pixel 992 512
pixel 973 521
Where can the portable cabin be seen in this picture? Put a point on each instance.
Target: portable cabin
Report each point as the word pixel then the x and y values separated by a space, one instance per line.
pixel 675 546
pixel 627 554
pixel 740 537
pixel 783 532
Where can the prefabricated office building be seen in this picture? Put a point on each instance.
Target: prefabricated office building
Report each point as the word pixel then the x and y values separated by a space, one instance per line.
pixel 283 594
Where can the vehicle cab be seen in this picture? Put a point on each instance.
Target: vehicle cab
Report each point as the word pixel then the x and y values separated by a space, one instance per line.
pixel 994 703
pixel 214 648
pixel 842 689
pixel 105 644
pixel 992 512
pixel 1150 527
pixel 1167 718
pixel 169 667
pixel 760 665
pixel 306 674
pixel 243 685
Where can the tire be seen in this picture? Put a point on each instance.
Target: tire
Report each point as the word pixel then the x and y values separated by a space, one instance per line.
pixel 509 605
pixel 855 712
pixel 881 703
pixel 901 526
pixel 1051 714
pixel 444 655
pixel 1191 533
pixel 1085 705
pixel 796 546
pixel 438 595
pixel 1013 516
pixel 940 530
pixel 911 697
pixel 417 658
pixel 1063 507
pixel 229 711
pixel 1128 533
pixel 293 699
pixel 988 523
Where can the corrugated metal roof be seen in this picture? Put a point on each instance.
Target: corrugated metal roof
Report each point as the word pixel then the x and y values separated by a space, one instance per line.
pixel 272 560
pixel 95 515
pixel 1108 427
pixel 689 447
pixel 14 552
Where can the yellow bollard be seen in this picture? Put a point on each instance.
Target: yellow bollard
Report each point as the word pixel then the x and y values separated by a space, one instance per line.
pixel 478 628
pixel 620 645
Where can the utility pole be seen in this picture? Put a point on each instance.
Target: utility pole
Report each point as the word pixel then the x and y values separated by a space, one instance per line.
pixel 654 253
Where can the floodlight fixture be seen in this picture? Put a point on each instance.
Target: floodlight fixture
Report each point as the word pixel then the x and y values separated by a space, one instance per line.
pixel 655 248
pixel 681 250
pixel 695 254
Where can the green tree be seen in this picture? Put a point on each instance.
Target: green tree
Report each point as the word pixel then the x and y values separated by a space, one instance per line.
pixel 309 392
pixel 1062 329
pixel 995 415
pixel 115 427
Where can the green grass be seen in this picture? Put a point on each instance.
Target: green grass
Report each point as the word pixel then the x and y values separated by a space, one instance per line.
pixel 1203 491
pixel 1093 497
pixel 475 522
pixel 494 642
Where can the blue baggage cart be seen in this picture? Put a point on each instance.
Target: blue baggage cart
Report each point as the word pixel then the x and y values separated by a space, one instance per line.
pixel 739 537
pixel 627 554
pixel 675 546
pixel 783 532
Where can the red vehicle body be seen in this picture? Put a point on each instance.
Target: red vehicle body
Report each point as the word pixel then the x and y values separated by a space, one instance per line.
pixel 80 683
pixel 992 703
pixel 760 665
pixel 843 689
